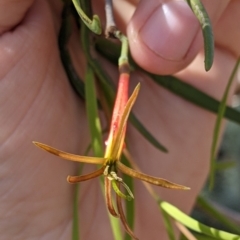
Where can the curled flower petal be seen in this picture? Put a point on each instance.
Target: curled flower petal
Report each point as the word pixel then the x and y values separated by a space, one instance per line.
pixel 153 180
pixel 76 179
pixel 108 194
pixel 123 218
pixel 69 156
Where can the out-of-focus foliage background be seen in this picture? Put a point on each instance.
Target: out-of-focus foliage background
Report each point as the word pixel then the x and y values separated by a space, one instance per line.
pixel 225 195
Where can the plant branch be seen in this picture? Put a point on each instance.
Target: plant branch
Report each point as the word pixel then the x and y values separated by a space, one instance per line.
pixel 110 22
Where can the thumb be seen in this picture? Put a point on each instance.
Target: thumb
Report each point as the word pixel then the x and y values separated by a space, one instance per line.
pixel 164 36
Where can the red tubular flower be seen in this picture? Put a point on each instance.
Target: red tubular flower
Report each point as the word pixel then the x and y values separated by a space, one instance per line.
pixel 111 160
pixel 114 147
pixel 120 104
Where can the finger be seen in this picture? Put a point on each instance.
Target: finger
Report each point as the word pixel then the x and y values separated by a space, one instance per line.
pixel 12 12
pixel 165 37
pixel 37 103
pixel 227 32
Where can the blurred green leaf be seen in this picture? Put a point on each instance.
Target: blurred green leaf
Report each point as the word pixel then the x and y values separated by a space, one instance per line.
pixel 210 209
pixel 196 226
pixel 92 113
pixel 63 37
pixel 145 133
pixel 224 165
pixel 202 237
pixel 75 225
pixel 168 225
pixel 221 111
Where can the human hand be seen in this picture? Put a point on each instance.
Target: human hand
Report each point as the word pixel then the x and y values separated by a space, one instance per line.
pixel 37 103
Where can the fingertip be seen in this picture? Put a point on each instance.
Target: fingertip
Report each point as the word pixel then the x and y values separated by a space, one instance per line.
pixel 12 13
pixel 164 37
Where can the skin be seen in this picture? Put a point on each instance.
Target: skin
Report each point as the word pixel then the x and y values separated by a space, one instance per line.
pixel 37 103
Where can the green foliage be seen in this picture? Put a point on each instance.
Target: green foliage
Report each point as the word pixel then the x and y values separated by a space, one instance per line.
pixel 130 209
pixel 221 111
pixel 195 225
pixel 208 207
pixel 205 22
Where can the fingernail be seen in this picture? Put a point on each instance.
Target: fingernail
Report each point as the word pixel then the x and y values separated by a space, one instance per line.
pixel 170 30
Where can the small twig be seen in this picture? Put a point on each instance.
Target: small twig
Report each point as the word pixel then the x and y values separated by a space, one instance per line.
pixel 111 31
pixel 110 22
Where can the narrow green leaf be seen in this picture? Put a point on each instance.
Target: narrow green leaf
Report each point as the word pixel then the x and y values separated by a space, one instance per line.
pixel 75 225
pixel 183 237
pixel 202 236
pixel 221 111
pixel 168 225
pixel 92 113
pixel 111 51
pixel 194 225
pixel 194 95
pixel 204 20
pixel 102 76
pixel 116 228
pixel 63 37
pixel 105 82
pixel 210 209
pixel 145 133
pixel 224 165
pixel 176 86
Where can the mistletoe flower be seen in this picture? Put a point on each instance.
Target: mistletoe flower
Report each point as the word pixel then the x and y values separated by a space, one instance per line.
pixel 110 163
